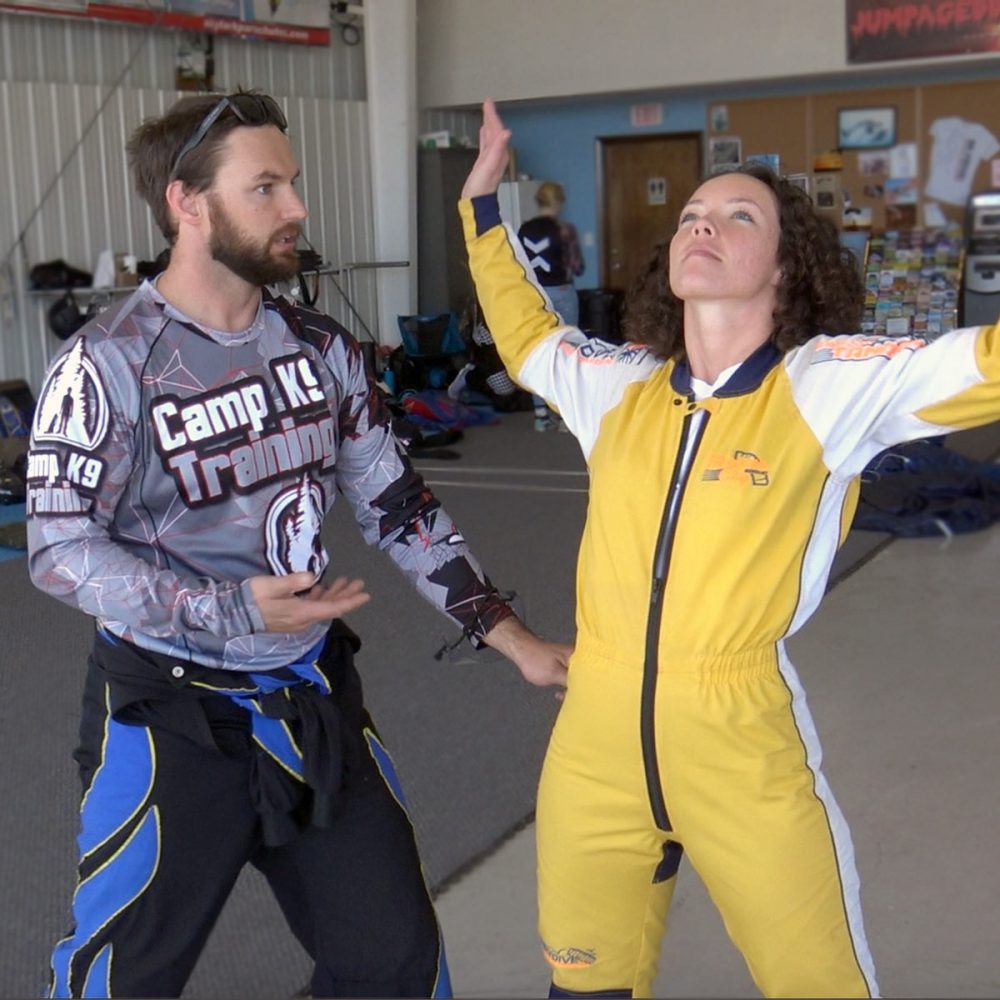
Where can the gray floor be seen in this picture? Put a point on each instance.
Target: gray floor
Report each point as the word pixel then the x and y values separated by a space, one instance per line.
pixel 901 667
pixel 467 735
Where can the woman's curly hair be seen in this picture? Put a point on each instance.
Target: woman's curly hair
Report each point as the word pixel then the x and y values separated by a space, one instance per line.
pixel 821 287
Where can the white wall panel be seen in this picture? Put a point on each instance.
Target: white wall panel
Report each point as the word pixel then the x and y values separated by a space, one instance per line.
pixel 531 50
pixel 331 141
pixel 71 50
pixel 92 207
pixel 63 79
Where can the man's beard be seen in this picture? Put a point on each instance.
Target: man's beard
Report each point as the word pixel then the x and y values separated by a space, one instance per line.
pixel 254 262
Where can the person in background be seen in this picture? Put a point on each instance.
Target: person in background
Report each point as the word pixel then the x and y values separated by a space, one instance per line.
pixel 553 250
pixel 186 446
pixel 724 443
pixel 484 375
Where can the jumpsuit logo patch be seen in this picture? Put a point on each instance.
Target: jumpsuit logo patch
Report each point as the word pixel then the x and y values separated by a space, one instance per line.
pixel 569 958
pixel 862 348
pixel 292 530
pixel 74 406
pixel 598 352
pixel 743 468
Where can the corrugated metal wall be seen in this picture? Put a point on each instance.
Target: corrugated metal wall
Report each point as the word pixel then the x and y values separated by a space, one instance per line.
pixel 50 50
pixel 62 81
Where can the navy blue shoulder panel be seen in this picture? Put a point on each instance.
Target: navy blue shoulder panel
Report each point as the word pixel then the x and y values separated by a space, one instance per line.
pixel 744 380
pixel 752 372
pixel 486 209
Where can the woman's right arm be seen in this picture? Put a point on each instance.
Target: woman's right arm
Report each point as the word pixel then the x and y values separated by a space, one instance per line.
pixel 582 378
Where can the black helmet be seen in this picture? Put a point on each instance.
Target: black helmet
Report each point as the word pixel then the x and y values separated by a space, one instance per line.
pixel 65 317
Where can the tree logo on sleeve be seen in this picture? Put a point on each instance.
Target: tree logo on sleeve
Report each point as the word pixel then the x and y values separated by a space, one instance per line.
pixel 73 407
pixel 293 528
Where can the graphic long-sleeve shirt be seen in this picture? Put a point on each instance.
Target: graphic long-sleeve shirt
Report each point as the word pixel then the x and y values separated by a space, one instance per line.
pixel 169 463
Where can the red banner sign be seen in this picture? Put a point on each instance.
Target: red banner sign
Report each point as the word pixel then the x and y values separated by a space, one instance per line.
pixel 904 29
pixel 306 22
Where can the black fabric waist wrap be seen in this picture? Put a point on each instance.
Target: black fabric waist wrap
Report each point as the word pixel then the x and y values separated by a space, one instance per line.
pixel 302 725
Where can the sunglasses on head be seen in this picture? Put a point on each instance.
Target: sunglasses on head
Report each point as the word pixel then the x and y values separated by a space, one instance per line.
pixel 251 109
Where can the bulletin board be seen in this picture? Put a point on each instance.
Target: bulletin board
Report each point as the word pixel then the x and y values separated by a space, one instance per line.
pixel 865 173
pixel 939 131
pixel 776 126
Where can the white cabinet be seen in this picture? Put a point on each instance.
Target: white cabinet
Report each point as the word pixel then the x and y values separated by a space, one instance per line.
pixel 517 201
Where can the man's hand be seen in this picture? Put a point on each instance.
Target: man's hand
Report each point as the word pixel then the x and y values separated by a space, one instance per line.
pixel 491 164
pixel 541 663
pixel 292 603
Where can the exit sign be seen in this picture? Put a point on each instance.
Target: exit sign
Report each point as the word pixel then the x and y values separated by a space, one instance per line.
pixel 646 114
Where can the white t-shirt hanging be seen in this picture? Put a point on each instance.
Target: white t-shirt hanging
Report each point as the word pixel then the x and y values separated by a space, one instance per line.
pixel 959 147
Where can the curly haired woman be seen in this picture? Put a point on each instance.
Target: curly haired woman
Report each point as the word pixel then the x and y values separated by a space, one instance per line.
pixel 724 443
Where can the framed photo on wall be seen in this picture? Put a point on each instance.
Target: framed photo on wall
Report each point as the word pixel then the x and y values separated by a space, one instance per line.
pixel 724 153
pixel 770 160
pixel 799 180
pixel 866 128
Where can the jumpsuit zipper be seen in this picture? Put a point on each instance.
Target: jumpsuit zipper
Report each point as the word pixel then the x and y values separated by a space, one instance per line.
pixel 664 543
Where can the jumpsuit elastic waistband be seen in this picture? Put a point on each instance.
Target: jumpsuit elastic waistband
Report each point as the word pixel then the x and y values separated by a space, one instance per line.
pixel 700 665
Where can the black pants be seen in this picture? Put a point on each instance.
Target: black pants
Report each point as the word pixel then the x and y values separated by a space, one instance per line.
pixel 168 822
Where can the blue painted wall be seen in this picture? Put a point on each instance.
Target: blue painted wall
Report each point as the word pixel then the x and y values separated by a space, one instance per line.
pixel 558 141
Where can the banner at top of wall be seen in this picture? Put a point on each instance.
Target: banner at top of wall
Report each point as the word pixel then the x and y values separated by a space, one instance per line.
pixel 909 29
pixel 306 22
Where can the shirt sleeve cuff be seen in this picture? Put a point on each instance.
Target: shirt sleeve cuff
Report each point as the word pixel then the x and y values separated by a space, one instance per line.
pixel 486 210
pixel 248 607
pixel 495 611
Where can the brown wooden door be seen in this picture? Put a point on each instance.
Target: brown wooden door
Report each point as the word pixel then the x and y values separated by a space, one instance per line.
pixel 645 180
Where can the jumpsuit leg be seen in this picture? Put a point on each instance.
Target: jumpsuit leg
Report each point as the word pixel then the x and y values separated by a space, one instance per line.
pixel 166 826
pixel 355 896
pixel 606 874
pixel 760 826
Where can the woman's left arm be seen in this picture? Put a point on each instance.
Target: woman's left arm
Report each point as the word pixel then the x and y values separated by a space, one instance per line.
pixel 861 394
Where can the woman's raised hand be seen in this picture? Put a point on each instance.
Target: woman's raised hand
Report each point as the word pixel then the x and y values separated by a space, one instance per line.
pixel 491 164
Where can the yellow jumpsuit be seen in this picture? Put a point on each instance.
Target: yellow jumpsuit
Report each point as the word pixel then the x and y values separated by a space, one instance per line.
pixel 711 529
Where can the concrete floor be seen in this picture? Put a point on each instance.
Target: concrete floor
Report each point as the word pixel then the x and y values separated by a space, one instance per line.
pixel 901 668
